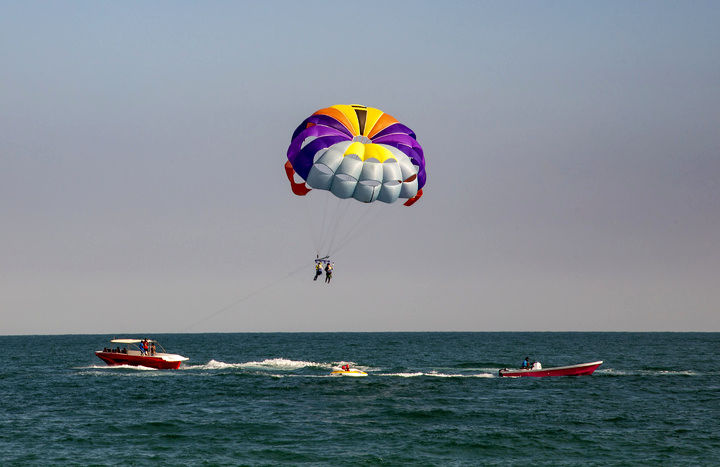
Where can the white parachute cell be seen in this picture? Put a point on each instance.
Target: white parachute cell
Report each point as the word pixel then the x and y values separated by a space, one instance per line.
pixel 346 177
pixel 322 171
pixel 368 187
pixel 392 179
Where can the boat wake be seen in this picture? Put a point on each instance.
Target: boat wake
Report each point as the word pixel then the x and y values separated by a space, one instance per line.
pixel 613 372
pixel 284 364
pixel 281 367
pixel 271 364
pixel 439 375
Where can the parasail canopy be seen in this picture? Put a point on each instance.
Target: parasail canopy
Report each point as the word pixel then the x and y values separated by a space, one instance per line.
pixel 356 152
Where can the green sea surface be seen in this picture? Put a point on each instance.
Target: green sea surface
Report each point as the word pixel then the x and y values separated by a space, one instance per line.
pixel 428 399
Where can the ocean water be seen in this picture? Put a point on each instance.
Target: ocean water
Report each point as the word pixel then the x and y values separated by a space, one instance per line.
pixel 429 399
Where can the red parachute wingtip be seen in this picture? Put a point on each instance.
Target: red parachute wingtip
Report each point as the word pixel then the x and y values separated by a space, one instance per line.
pixel 412 200
pixel 299 189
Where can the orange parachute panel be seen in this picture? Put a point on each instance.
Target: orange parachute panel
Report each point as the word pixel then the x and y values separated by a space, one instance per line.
pixel 383 122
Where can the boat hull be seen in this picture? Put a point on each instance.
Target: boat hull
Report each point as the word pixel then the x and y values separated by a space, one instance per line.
pixel 352 372
pixel 116 358
pixel 572 370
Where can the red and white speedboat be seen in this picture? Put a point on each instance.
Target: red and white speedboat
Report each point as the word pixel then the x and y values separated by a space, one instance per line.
pixel 572 370
pixel 132 354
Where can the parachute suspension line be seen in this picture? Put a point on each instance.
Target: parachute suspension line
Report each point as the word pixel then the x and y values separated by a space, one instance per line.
pixel 312 229
pixel 323 230
pixel 349 232
pixel 247 296
pixel 366 219
pixel 330 221
pixel 340 212
pixel 360 222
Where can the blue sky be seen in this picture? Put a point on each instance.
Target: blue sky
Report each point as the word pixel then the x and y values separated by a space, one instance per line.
pixel 572 149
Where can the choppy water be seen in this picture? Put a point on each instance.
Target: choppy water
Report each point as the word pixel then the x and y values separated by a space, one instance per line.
pixel 429 399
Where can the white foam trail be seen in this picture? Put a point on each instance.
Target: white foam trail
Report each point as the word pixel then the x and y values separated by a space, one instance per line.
pixel 456 375
pixel 311 376
pixel 284 364
pixel 610 371
pixel 267 364
pixel 211 365
pixel 438 375
pixel 443 375
pixel 402 375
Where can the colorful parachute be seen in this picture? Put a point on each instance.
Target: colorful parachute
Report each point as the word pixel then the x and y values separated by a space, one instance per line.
pixel 356 152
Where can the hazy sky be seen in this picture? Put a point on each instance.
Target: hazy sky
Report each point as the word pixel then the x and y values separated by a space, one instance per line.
pixel 573 158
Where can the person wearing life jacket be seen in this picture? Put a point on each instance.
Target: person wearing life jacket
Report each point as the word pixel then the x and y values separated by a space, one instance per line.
pixel 144 347
pixel 328 272
pixel 318 269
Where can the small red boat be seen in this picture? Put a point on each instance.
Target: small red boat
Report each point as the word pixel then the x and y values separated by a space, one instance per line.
pixel 572 370
pixel 136 355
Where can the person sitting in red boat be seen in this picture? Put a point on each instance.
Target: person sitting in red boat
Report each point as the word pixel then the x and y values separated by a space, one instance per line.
pixel 525 364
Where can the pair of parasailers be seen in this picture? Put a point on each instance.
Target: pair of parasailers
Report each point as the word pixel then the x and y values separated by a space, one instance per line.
pixel 322 264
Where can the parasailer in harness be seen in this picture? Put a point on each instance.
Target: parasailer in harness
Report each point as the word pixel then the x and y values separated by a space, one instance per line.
pixel 328 272
pixel 318 270
pixel 320 265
